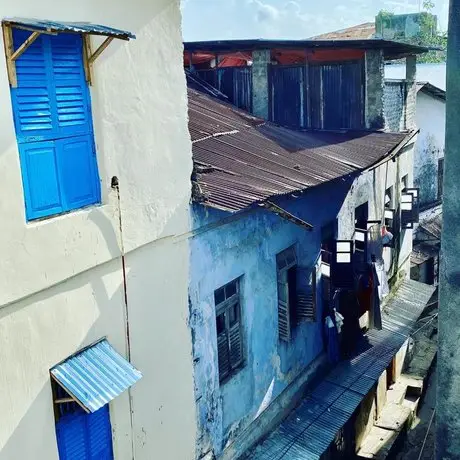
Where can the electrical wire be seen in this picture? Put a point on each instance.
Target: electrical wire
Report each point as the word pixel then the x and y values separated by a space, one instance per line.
pixel 426 434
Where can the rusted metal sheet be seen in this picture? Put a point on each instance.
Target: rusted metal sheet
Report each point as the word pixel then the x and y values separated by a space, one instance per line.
pixel 287 95
pixel 234 82
pixel 241 160
pixel 342 88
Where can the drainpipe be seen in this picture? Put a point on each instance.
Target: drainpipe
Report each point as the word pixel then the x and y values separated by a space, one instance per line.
pixel 448 386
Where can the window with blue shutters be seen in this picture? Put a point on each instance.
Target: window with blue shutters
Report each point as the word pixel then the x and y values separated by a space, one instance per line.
pixel 81 435
pixel 52 115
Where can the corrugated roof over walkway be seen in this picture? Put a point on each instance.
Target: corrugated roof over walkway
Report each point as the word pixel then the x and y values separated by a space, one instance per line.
pixel 310 429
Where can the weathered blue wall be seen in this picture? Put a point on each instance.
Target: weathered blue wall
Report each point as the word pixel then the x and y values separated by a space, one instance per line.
pixel 247 247
pixel 224 247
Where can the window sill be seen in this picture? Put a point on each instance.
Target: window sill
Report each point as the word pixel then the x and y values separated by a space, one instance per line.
pixel 74 212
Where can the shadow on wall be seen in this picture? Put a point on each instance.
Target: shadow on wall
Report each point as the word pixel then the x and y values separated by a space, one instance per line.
pixel 40 411
pixel 40 318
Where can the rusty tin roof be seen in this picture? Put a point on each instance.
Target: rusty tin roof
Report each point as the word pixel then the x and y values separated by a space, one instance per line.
pixel 241 160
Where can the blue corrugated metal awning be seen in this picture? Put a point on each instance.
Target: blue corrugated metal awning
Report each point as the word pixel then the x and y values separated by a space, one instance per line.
pixel 95 375
pixel 43 25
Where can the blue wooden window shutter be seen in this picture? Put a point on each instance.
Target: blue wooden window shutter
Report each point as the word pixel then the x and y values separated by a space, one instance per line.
pixel 52 114
pixel 85 436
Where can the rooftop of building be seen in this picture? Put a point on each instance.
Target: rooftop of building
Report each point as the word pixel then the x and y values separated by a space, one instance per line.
pixel 241 160
pixel 391 49
pixel 359 32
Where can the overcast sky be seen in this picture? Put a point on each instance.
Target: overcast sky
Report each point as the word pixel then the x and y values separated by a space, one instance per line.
pixel 293 19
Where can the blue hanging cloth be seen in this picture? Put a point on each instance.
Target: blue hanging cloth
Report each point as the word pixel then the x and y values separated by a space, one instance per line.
pixel 332 340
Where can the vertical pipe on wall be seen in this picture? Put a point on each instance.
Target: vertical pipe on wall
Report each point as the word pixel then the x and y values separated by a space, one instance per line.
pixel 116 186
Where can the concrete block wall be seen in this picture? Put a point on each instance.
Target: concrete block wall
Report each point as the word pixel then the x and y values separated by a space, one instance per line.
pixel 374 94
pixel 394 105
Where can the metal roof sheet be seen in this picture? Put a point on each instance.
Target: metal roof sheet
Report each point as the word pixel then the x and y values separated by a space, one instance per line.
pixel 360 31
pixel 431 90
pixel 433 224
pixel 311 427
pixel 241 160
pixel 73 27
pixel 95 375
pixel 392 49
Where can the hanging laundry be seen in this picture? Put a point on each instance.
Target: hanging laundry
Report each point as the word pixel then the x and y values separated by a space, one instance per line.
pixel 375 315
pixel 364 292
pixel 384 288
pixel 338 321
pixel 332 340
pixel 387 236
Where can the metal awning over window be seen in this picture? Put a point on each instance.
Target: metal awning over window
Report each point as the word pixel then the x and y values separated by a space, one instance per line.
pixel 95 375
pixel 37 27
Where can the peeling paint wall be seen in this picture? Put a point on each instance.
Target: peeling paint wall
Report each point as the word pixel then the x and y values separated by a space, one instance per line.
pixel 225 247
pixel 431 120
pixel 62 286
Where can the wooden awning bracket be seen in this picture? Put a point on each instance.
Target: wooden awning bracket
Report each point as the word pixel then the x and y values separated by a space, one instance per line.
pixel 89 57
pixel 12 55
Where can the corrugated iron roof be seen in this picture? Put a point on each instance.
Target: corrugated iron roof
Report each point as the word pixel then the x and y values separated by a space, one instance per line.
pixel 73 27
pixel 431 90
pixel 360 31
pixel 312 426
pixel 95 375
pixel 433 224
pixel 422 252
pixel 391 49
pixel 241 160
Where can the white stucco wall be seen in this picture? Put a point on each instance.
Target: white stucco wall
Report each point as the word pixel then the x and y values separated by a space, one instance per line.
pixel 61 286
pixel 431 120
pixel 370 187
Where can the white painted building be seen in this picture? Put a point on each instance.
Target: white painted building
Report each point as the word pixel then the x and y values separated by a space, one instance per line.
pixel 63 285
pixel 431 120
pixel 429 151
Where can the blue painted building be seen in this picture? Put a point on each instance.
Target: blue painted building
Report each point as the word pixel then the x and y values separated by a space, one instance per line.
pixel 269 206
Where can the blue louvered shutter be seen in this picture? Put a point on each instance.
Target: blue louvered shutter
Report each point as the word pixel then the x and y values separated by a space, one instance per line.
pixel 33 104
pixel 52 104
pixel 40 179
pixel 82 436
pixel 70 88
pixel 100 435
pixel 72 437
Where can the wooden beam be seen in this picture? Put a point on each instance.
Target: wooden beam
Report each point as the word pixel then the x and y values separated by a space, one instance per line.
pixel 272 207
pixel 101 48
pixel 64 400
pixel 9 51
pixel 30 29
pixel 86 55
pixel 71 395
pixel 32 37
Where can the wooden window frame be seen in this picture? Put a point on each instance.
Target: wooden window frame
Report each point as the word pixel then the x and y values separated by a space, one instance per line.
pixel 285 308
pixel 410 201
pixel 232 335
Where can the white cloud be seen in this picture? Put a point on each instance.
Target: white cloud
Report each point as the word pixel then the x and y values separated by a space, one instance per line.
pixel 292 7
pixel 264 11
